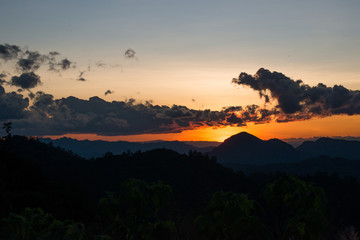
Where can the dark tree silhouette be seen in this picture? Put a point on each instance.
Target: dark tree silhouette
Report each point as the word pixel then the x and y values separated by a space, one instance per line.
pixel 7 126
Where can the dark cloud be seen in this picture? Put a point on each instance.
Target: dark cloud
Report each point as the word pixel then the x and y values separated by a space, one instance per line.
pixel 12 105
pixel 8 52
pixel 130 53
pixel 2 78
pixel 65 64
pixel 57 66
pixel 299 101
pixel 108 92
pixel 30 62
pixel 72 115
pixel 2 91
pixel 42 100
pixel 80 77
pixel 3 75
pixel 26 80
pixel 54 53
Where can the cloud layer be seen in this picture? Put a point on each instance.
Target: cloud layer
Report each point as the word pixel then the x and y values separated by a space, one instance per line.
pixel 47 115
pixel 41 114
pixel 299 101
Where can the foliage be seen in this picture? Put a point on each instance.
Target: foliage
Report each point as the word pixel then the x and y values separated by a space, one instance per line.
pixel 348 234
pixel 133 213
pixel 294 209
pixel 229 216
pixel 33 223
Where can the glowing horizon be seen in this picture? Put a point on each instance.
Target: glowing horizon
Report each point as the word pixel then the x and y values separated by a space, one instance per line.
pixel 315 128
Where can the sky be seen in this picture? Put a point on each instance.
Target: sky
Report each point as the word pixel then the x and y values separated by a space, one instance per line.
pixel 180 70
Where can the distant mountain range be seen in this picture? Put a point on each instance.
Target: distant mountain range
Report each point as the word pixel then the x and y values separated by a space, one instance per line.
pixel 245 149
pixel 238 151
pixel 93 149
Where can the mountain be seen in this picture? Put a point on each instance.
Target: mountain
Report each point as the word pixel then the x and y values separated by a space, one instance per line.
pixel 332 147
pixel 90 149
pixel 244 148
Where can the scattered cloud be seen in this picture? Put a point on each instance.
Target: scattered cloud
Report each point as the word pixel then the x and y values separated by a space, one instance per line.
pixel 108 92
pixel 80 77
pixel 26 80
pixel 30 61
pixel 130 53
pixel 9 52
pixel 63 64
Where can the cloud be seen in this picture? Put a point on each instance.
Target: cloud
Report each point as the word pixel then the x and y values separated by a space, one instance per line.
pixel 100 64
pixel 9 52
pixel 12 105
pixel 80 77
pixel 26 80
pixel 48 116
pixel 108 92
pixel 293 100
pixel 2 78
pixel 130 53
pixel 299 101
pixel 54 53
pixel 31 61
pixel 64 64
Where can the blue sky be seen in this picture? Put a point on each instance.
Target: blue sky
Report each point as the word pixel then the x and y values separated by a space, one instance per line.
pixel 186 50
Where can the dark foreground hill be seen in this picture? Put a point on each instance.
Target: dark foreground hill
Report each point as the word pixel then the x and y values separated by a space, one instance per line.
pixel 35 174
pixel 324 164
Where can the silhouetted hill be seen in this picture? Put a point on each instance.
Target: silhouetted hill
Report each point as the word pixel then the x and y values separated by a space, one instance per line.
pixel 194 173
pixel 244 148
pixel 35 174
pixel 24 184
pixel 89 149
pixel 332 147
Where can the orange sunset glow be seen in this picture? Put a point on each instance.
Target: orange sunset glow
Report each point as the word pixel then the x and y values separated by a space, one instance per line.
pixel 339 125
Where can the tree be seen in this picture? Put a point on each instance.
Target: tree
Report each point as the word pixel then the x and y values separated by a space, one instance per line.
pixel 33 223
pixel 294 209
pixel 133 212
pixel 7 126
pixel 228 217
